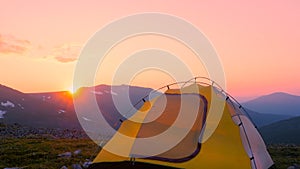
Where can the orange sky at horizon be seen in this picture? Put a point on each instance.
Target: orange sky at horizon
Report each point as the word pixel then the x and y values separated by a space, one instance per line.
pixel 257 41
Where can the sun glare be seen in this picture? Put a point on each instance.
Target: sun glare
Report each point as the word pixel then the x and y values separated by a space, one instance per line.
pixel 71 90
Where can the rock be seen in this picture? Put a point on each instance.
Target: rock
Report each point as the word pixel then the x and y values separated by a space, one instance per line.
pixel 297 166
pixel 65 155
pixel 294 166
pixel 76 166
pixel 87 164
pixel 77 152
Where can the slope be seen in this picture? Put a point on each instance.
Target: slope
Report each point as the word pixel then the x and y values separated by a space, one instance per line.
pixel 286 131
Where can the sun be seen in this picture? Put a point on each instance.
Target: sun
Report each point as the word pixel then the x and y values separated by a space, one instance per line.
pixel 71 90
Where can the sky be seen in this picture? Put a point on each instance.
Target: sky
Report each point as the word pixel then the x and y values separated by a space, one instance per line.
pixel 257 41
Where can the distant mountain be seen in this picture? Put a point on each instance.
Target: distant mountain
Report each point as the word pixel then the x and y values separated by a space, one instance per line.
pixel 18 107
pixel 286 131
pixel 276 103
pixel 56 109
pixel 261 119
pixel 114 102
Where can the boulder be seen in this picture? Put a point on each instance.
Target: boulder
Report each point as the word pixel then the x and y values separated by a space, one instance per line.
pixel 65 155
pixel 76 166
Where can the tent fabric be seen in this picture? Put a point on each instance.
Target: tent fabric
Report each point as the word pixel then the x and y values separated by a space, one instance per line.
pixel 232 143
pixel 128 165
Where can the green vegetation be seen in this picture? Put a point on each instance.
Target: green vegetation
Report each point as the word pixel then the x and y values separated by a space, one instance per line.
pixel 284 155
pixel 43 153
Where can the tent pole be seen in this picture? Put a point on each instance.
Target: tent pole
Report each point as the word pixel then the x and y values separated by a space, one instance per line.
pixel 247 138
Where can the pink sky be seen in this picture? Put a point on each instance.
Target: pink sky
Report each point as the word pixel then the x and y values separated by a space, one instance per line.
pixel 257 42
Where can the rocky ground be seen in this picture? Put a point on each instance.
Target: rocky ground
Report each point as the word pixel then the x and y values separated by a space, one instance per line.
pixel 18 131
pixel 27 147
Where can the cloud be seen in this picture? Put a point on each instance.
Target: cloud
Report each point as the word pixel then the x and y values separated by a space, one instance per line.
pixel 12 45
pixel 68 52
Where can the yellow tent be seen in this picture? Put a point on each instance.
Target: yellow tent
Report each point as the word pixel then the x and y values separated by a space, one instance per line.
pixel 196 126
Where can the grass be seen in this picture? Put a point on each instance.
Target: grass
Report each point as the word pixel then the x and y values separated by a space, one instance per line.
pixel 284 155
pixel 42 153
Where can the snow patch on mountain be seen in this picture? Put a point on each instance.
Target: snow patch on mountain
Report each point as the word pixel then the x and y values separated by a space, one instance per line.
pixel 2 113
pixel 113 93
pixel 20 106
pixel 96 92
pixel 86 119
pixel 7 104
pixel 61 111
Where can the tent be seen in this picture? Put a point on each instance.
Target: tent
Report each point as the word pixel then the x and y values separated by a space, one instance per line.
pixel 210 128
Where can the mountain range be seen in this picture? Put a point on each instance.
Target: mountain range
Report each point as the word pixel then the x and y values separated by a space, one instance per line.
pixel 275 114
pixel 56 109
pixel 18 107
pixel 279 118
pixel 276 103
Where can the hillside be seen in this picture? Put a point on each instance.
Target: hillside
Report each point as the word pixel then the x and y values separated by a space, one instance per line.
pixel 286 131
pixel 56 109
pixel 24 109
pixel 262 119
